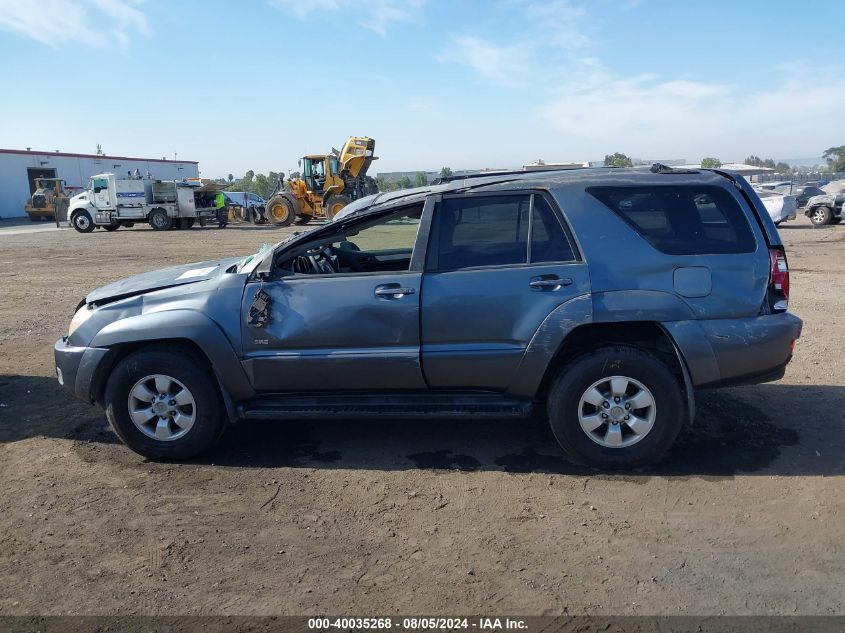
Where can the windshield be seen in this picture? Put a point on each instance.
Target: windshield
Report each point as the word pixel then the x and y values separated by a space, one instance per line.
pixel 251 262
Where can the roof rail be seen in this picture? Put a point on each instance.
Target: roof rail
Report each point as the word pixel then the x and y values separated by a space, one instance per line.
pixel 506 172
pixel 660 168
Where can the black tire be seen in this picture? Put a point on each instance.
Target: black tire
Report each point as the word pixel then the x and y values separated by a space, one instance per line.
pixel 184 223
pixel 82 222
pixel 128 225
pixel 191 222
pixel 334 205
pixel 209 413
pixel 836 220
pixel 821 216
pixel 575 379
pixel 303 219
pixel 159 220
pixel 279 210
pixel 111 227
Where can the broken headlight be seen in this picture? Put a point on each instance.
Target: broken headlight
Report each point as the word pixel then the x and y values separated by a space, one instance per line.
pixel 81 316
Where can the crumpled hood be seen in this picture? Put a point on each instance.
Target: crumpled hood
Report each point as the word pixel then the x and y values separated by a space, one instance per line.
pixel 159 279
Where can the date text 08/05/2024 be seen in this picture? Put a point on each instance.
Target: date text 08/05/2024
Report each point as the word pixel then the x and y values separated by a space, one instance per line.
pixel 416 624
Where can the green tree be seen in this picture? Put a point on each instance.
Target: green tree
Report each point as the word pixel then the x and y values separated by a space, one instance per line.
pixel 445 172
pixel 262 185
pixel 230 178
pixel 783 168
pixel 618 159
pixel 835 157
pixel 420 179
pixel 382 184
pixel 712 163
pixel 756 161
pixel 404 182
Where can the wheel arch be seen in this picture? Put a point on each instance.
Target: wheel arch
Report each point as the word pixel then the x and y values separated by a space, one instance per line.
pixel 649 336
pixel 75 210
pixel 187 330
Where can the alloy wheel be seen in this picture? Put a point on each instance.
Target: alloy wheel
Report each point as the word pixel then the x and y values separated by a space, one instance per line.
pixel 161 407
pixel 617 412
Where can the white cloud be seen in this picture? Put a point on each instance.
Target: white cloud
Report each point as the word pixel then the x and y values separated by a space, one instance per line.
pixel 558 22
pixel 543 30
pixel 376 15
pixel 505 65
pixel 91 22
pixel 652 116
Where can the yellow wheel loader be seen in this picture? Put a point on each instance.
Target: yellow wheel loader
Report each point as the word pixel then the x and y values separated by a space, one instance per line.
pixel 49 202
pixel 328 182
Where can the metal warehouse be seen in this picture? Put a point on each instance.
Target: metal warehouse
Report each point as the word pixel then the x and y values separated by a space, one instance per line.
pixel 20 168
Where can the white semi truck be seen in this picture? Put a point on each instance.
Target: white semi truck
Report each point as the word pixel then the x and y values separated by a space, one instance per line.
pixel 112 202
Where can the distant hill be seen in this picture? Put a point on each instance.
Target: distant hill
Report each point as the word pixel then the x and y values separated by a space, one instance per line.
pixel 802 162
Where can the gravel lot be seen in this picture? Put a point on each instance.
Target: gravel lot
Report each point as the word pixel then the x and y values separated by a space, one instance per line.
pixel 744 516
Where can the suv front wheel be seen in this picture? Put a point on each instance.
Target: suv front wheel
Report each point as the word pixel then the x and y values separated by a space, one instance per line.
pixel 616 407
pixel 164 405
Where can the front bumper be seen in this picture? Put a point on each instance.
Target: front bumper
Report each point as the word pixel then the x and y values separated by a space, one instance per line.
pixel 76 367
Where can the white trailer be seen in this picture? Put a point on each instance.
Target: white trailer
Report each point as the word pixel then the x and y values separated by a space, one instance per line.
pixel 112 202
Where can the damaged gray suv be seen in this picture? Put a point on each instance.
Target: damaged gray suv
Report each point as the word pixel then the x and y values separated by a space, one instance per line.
pixel 605 297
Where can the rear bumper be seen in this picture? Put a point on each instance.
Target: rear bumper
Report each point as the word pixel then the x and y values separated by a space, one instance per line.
pixel 75 367
pixel 750 351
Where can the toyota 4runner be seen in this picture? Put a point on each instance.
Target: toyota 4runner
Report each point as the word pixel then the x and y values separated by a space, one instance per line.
pixel 605 297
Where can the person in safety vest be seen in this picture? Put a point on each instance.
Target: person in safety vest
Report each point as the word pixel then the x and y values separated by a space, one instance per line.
pixel 222 210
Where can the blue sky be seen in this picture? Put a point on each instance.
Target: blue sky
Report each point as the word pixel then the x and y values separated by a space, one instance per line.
pixel 255 84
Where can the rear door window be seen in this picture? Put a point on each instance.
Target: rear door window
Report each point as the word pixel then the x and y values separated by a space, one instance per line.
pixel 474 231
pixel 549 242
pixel 682 220
pixel 480 231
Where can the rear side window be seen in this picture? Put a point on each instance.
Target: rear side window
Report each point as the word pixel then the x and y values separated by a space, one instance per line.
pixel 682 220
pixel 494 231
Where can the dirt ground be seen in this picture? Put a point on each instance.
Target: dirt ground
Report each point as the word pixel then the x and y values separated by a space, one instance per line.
pixel 744 516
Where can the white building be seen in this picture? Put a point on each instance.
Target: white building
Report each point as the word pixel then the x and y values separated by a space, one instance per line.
pixel 20 168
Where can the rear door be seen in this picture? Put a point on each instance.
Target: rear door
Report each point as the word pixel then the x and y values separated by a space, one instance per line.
pixel 496 266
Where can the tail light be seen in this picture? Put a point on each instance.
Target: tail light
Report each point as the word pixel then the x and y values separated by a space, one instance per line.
pixel 778 281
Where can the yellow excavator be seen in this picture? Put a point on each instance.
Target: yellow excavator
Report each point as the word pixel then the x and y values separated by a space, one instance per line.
pixel 49 202
pixel 328 182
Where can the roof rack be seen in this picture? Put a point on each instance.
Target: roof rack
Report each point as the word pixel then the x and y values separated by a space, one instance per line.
pixel 507 172
pixel 660 168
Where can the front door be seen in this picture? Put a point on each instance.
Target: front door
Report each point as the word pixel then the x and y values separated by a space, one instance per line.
pixel 102 197
pixel 496 267
pixel 342 316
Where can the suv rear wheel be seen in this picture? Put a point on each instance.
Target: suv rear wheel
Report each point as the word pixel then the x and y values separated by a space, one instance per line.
pixel 164 405
pixel 820 216
pixel 616 407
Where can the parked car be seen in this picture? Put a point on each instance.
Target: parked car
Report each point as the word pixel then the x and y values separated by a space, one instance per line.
pixel 825 209
pixel 802 193
pixel 604 297
pixel 247 205
pixel 770 186
pixel 779 206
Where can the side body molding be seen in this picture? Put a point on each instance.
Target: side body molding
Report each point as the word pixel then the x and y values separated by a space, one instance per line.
pixel 183 324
